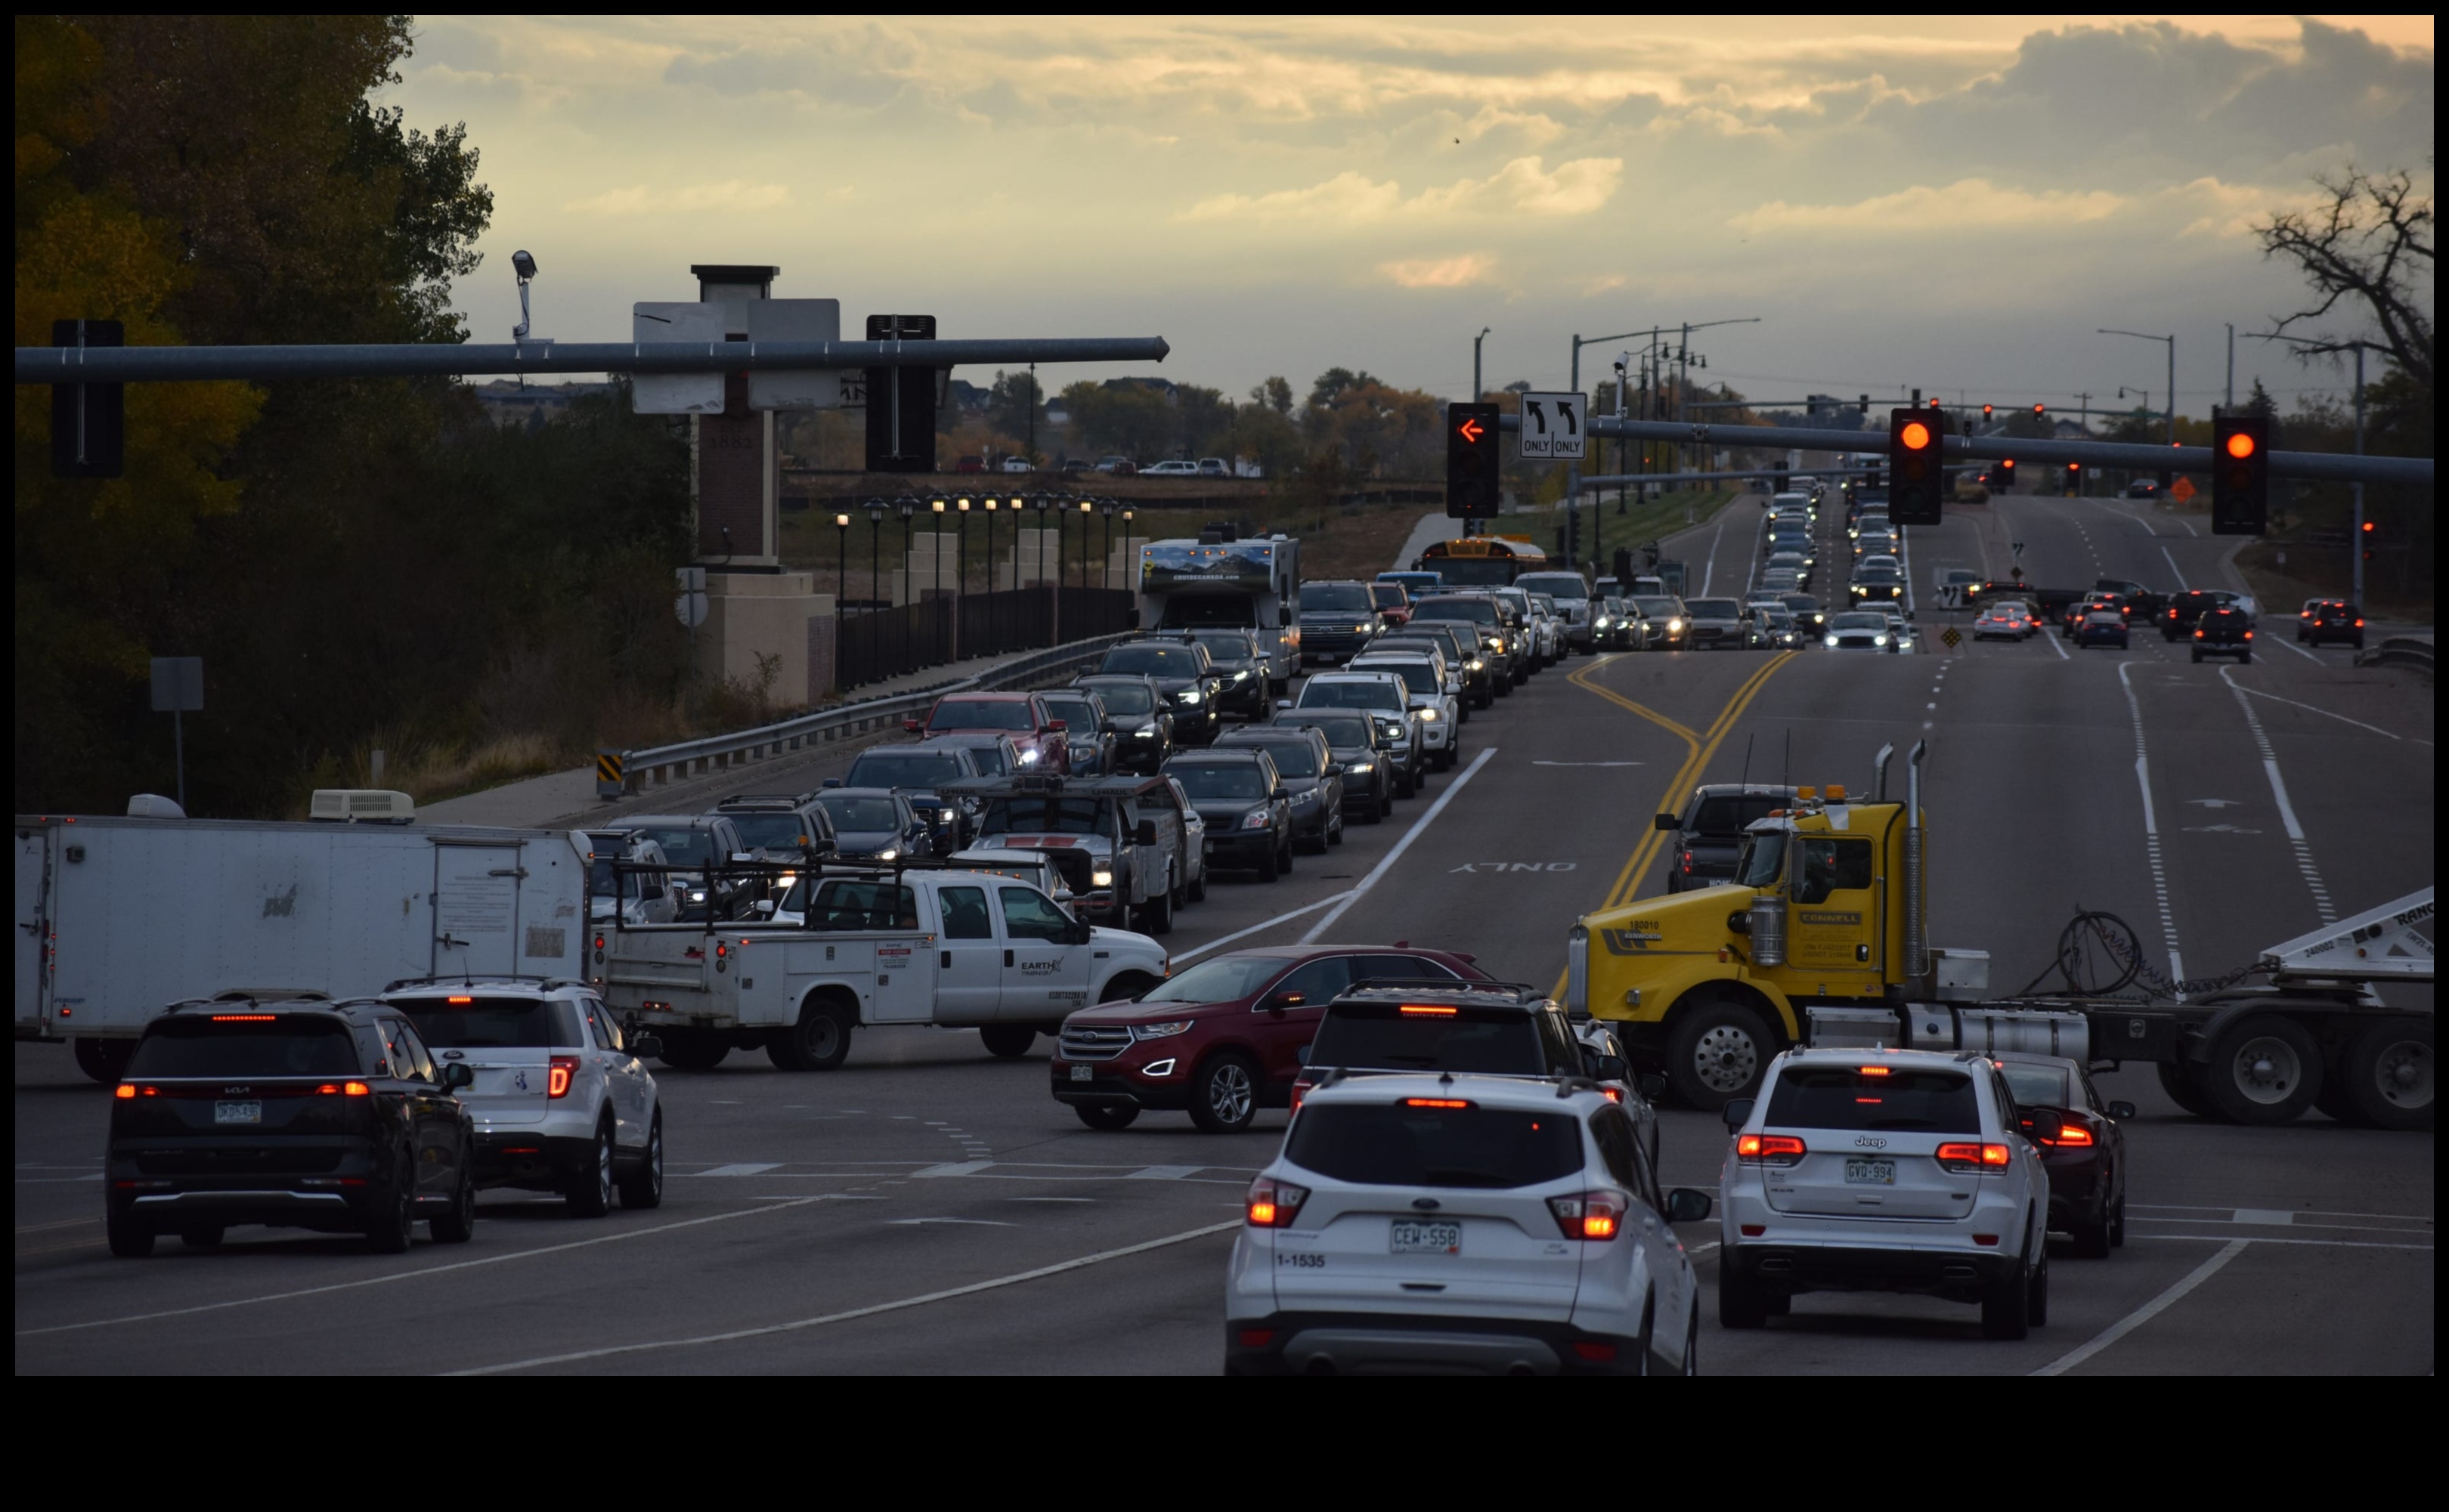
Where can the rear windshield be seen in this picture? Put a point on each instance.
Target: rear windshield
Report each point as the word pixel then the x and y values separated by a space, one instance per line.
pixel 485 1024
pixel 1126 698
pixel 683 847
pixel 1337 598
pixel 1389 594
pixel 1340 730
pixel 862 814
pixel 873 771
pixel 1035 814
pixel 981 714
pixel 1383 1037
pixel 773 832
pixel 2043 1086
pixel 1352 695
pixel 1421 677
pixel 1713 609
pixel 1845 1098
pixel 846 905
pixel 284 1045
pixel 1479 611
pixel 1400 1146
pixel 1153 661
pixel 1730 812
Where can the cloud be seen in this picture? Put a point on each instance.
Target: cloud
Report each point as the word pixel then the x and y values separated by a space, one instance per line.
pixel 1440 273
pixel 732 195
pixel 1966 205
pixel 1521 187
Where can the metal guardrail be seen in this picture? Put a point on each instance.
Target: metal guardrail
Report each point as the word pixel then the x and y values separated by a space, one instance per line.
pixel 686 758
pixel 2397 650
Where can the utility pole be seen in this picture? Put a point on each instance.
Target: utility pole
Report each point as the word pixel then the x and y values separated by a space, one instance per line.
pixel 2172 340
pixel 2229 402
pixel 1475 389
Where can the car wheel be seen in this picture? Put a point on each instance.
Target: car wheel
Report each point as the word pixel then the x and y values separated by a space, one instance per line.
pixel 2037 1291
pixel 1224 1093
pixel 2389 1071
pixel 1693 1343
pixel 1334 826
pixel 129 1239
pixel 458 1225
pixel 2245 658
pixel 2118 1225
pixel 644 1187
pixel 2263 1069
pixel 1197 891
pixel 2092 1240
pixel 390 1230
pixel 1741 1304
pixel 1124 986
pixel 591 1190
pixel 2006 1307
pixel 2178 1081
pixel 1269 871
pixel 2198 656
pixel 1719 1051
pixel 1108 1116
pixel 202 1237
pixel 692 1050
pixel 1006 1042
pixel 1284 852
pixel 820 1040
pixel 1385 802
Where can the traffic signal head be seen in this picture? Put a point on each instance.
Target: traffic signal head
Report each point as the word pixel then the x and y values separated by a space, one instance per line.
pixel 2240 475
pixel 1985 411
pixel 2370 536
pixel 1472 483
pixel 2006 472
pixel 1915 481
pixel 2039 410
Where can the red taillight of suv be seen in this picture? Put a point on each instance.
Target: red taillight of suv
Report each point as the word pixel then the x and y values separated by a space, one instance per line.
pixel 1273 1204
pixel 1967 1157
pixel 1589 1214
pixel 565 1069
pixel 2070 1136
pixel 1769 1149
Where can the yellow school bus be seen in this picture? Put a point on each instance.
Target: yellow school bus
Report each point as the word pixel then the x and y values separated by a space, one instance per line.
pixel 1482 561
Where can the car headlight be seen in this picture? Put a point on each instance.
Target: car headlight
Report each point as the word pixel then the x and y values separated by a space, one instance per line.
pixel 1241 677
pixel 1101 878
pixel 947 816
pixel 1674 625
pixel 1161 1031
pixel 888 852
pixel 1476 665
pixel 1146 732
pixel 1190 695
pixel 1255 820
pixel 1430 714
pixel 1828 640
pixel 1496 645
pixel 1878 640
pixel 1362 767
pixel 1028 756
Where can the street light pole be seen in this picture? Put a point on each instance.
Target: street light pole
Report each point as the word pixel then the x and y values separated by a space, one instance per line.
pixel 2172 340
pixel 841 595
pixel 2356 527
pixel 1475 389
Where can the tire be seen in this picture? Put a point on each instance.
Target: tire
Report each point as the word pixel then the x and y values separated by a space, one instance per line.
pixel 1741 1304
pixel 1693 1343
pixel 2198 656
pixel 2091 1240
pixel 820 1042
pixel 2263 1069
pixel 129 1239
pixel 458 1225
pixel 591 1190
pixel 1107 1118
pixel 1284 855
pixel 2245 660
pixel 1269 867
pixel 2177 1080
pixel 1407 786
pixel 1006 1042
pixel 1124 985
pixel 692 1050
pixel 2006 1307
pixel 2118 1225
pixel 2389 1071
pixel 644 1187
pixel 1156 915
pixel 102 1061
pixel 392 1230
pixel 1386 803
pixel 1197 891
pixel 1224 1093
pixel 2036 1290
pixel 202 1237
pixel 1334 826
pixel 1719 1051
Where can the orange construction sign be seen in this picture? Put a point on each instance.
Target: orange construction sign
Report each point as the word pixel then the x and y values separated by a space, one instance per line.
pixel 2182 491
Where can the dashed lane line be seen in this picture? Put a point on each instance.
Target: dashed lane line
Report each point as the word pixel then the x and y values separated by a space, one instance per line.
pixel 2151 829
pixel 2296 840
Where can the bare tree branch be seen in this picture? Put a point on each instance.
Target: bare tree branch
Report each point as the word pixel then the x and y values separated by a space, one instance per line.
pixel 2371 244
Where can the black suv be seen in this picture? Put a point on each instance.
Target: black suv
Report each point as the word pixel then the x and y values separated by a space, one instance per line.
pixel 1247 809
pixel 1241 669
pixel 1352 739
pixel 2224 633
pixel 296 1112
pixel 1182 673
pixel 2177 619
pixel 2330 620
pixel 1306 765
pixel 1137 716
pixel 1710 832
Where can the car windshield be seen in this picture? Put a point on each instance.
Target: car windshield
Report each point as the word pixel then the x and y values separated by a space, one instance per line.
pixel 1152 660
pixel 1294 758
pixel 988 757
pixel 1396 1146
pixel 1337 598
pixel 1828 1097
pixel 1762 860
pixel 1652 604
pixel 1037 813
pixel 483 1023
pixel 1126 698
pixel 1349 694
pixel 1223 980
pixel 2038 1085
pixel 1235 782
pixel 772 832
pixel 1476 611
pixel 850 814
pixel 1346 731
pixel 1076 713
pixel 1713 609
pixel 1727 814
pixel 1230 650
pixel 981 714
pixel 875 770
pixel 683 847
pixel 1381 1037
pixel 1858 619
pixel 1798 602
pixel 285 1045
pixel 1421 677
pixel 1556 584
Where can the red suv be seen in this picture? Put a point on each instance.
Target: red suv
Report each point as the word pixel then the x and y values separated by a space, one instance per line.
pixel 1025 717
pixel 1223 1039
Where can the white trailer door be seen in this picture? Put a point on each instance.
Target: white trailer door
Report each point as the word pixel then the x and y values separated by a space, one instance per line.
pixel 475 908
pixel 33 850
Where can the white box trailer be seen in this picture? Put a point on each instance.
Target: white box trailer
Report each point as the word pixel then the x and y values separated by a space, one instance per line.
pixel 117 918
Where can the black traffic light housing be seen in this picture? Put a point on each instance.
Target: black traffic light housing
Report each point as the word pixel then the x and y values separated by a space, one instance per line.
pixel 1473 486
pixel 901 401
pixel 2005 472
pixel 89 420
pixel 2240 475
pixel 1917 483
pixel 2371 534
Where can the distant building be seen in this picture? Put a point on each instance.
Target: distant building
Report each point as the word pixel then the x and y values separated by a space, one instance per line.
pixel 967 395
pixel 507 403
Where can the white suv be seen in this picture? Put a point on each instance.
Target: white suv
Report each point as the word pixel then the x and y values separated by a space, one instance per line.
pixel 1495 1224
pixel 560 1101
pixel 1435 712
pixel 1884 1171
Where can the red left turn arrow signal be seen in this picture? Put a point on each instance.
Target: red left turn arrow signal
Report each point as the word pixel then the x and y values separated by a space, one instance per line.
pixel 1471 430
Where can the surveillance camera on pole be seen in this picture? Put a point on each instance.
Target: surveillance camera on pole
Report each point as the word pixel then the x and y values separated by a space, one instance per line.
pixel 524 264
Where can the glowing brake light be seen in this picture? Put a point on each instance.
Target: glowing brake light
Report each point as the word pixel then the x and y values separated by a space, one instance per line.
pixel 1434 1102
pixel 2072 1134
pixel 1871 1070
pixel 356 1089
pixel 557 1080
pixel 1589 1214
pixel 459 1002
pixel 1273 1204
pixel 1769 1149
pixel 124 1089
pixel 242 1018
pixel 1422 1010
pixel 1969 1157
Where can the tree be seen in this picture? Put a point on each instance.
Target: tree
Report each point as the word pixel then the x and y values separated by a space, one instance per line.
pixel 1013 402
pixel 1333 382
pixel 1275 394
pixel 2371 245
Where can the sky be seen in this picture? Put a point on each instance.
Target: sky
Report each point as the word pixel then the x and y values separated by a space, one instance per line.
pixel 1955 203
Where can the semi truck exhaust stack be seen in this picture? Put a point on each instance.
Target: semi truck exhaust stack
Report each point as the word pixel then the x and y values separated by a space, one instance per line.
pixel 1917 933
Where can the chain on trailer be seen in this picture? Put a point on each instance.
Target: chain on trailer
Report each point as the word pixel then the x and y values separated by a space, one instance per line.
pixel 2096 944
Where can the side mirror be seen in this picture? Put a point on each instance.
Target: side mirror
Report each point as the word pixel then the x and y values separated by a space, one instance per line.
pixel 1687 1205
pixel 1651 1086
pixel 1334 768
pixel 833 782
pixel 1738 1113
pixel 2041 1124
pixel 2121 1110
pixel 1278 792
pixel 1283 703
pixel 1302 1055
pixel 1611 1068
pixel 1058 725
pixel 1078 933
pixel 1666 821
pixel 1278 1001
pixel 459 1074
pixel 912 727
pixel 647 1047
pixel 1145 834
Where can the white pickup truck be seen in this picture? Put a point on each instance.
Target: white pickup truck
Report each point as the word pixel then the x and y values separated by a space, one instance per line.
pixel 954 948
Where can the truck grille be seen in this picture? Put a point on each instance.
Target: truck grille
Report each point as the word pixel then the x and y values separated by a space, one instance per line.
pixel 1094 1041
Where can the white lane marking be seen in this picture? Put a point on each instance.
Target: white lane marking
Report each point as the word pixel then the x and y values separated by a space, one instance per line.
pixel 746 1168
pixel 2319 1244
pixel 1394 854
pixel 974 1288
pixel 2151 830
pixel 2276 1217
pixel 2302 1213
pixel 977 1223
pixel 2300 1222
pixel 1164 1173
pixel 2178 570
pixel 2146 1313
pixel 955 1168
pixel 420 1272
pixel 1181 956
pixel 2053 639
pixel 2282 641
pixel 2304 866
pixel 64 1223
pixel 2311 708
pixel 1050 1199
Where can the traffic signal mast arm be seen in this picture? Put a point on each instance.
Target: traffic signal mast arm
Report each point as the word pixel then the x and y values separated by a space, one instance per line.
pixel 455 359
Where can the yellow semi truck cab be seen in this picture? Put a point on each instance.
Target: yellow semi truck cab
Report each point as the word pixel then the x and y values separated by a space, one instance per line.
pixel 1826 910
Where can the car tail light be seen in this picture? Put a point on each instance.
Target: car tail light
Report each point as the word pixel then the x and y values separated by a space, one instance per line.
pixel 1769 1149
pixel 242 1018
pixel 2360 624
pixel 1257 1338
pixel 1301 1090
pixel 1589 1214
pixel 1753 1230
pixel 2248 635
pixel 1434 1102
pixel 1595 1351
pixel 2072 1134
pixel 557 1083
pixel 124 1089
pixel 2198 635
pixel 1967 1157
pixel 1421 1010
pixel 1989 1239
pixel 1274 1204
pixel 460 1002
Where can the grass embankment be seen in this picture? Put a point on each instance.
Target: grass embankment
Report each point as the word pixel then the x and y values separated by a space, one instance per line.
pixel 2322 572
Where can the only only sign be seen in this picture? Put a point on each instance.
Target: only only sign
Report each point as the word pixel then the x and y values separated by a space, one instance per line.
pixel 1552 427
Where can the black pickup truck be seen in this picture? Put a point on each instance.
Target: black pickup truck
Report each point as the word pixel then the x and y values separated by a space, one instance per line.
pixel 1710 832
pixel 2146 605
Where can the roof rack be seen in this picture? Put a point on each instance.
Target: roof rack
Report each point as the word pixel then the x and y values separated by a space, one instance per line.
pixel 1521 992
pixel 464 980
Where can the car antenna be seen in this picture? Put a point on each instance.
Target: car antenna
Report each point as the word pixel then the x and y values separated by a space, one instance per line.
pixel 1787 780
pixel 1745 785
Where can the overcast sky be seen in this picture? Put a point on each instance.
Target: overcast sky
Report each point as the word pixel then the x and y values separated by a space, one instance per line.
pixel 1952 203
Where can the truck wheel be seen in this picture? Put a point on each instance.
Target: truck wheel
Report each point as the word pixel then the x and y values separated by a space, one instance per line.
pixel 2263 1069
pixel 1006 1042
pixel 591 1190
pixel 1157 916
pixel 1225 1094
pixel 1108 1116
pixel 2006 1307
pixel 1125 986
pixel 692 1050
pixel 1719 1052
pixel 2177 1080
pixel 1197 891
pixel 104 1061
pixel 820 1040
pixel 644 1187
pixel 1741 1304
pixel 2390 1072
pixel 129 1239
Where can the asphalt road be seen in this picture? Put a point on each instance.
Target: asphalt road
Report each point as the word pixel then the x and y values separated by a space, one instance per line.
pixel 927 1208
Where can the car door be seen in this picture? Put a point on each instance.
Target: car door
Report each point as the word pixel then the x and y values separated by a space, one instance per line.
pixel 432 1112
pixel 1833 931
pixel 1045 974
pixel 1285 1019
pixel 625 1078
pixel 969 968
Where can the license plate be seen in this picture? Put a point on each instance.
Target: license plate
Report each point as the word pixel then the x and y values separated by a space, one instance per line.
pixel 1871 1172
pixel 1084 1073
pixel 1411 1237
pixel 238 1113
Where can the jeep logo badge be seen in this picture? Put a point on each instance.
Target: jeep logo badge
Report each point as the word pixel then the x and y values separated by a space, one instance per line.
pixel 1870 1142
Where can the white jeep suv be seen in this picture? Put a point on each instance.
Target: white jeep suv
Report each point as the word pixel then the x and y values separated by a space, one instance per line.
pixel 560 1101
pixel 1503 1225
pixel 1884 1171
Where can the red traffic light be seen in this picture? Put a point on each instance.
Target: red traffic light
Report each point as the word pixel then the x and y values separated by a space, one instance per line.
pixel 1470 429
pixel 1916 436
pixel 2368 527
pixel 2009 461
pixel 2040 409
pixel 2240 445
pixel 1985 411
